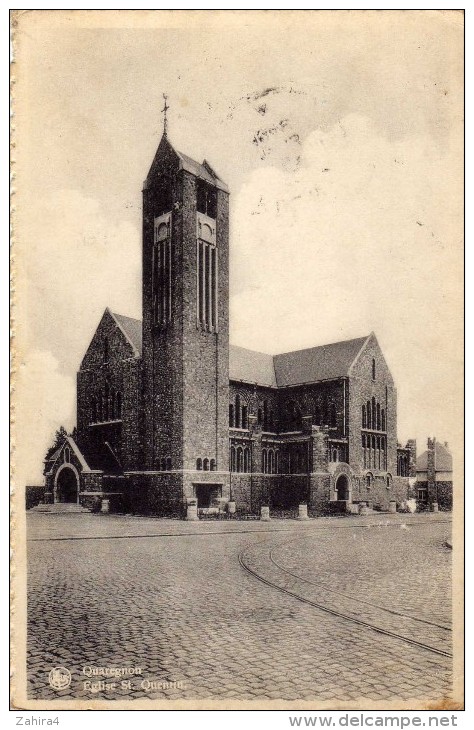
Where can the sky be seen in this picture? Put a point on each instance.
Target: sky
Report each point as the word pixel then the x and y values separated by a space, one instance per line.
pixel 339 135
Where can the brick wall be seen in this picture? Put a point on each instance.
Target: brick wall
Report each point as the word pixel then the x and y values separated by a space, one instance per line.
pixel 185 376
pixel 121 372
pixel 362 389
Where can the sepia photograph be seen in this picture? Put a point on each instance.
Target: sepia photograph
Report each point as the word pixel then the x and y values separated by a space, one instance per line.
pixel 237 316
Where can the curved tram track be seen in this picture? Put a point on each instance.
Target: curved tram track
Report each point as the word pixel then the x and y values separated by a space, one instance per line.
pixel 246 560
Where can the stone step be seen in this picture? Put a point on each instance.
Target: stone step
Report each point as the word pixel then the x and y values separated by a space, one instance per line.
pixel 60 508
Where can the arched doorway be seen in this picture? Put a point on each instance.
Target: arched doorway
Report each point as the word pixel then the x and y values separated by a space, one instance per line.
pixel 342 487
pixel 66 485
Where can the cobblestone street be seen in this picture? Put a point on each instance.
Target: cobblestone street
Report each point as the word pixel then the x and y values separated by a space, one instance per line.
pixel 328 610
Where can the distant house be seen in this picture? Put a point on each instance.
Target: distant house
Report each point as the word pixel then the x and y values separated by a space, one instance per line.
pixel 434 476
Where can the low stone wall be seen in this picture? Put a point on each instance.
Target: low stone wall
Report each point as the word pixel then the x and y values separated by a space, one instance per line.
pixel 34 495
pixel 158 494
pixel 277 491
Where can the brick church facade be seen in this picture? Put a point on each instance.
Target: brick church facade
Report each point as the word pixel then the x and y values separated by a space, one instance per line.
pixel 169 413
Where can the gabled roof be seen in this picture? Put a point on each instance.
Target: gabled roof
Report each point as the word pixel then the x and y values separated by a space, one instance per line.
pixel 327 362
pixel 443 459
pixel 202 170
pixel 251 367
pixel 132 329
pixel 75 448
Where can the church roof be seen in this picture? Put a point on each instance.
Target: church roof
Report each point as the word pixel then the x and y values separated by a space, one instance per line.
pixel 443 459
pixel 251 366
pixel 132 329
pixel 326 362
pixel 204 171
pixel 312 365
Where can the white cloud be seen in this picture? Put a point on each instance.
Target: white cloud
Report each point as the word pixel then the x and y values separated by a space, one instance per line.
pixel 79 261
pixel 364 235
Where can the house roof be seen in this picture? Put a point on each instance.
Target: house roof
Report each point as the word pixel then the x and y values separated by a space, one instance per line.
pixel 327 362
pixel 443 459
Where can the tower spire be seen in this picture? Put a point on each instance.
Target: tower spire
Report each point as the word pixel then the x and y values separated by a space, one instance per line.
pixel 165 118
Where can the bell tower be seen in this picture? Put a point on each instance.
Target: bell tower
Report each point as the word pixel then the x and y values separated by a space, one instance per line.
pixel 185 325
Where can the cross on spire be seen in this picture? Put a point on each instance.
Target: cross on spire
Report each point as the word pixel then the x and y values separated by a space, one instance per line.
pixel 165 119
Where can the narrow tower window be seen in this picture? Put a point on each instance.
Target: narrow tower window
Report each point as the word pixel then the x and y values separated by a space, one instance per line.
pixel 162 270
pixel 206 282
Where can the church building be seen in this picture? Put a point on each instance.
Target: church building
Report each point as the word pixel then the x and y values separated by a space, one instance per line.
pixel 170 414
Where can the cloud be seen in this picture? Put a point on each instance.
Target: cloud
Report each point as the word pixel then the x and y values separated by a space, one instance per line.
pixel 364 235
pixel 45 400
pixel 80 260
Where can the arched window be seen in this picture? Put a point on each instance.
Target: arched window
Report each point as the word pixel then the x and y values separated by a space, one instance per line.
pixel 93 410
pixel 264 461
pixel 232 458
pixel 119 404
pixel 106 402
pixel 378 417
pixel 168 463
pixel 325 413
pixel 213 465
pixel 163 465
pixel 237 411
pixel 199 464
pixel 373 368
pixel 374 452
pixel 374 415
pixel 364 417
pixel 368 481
pixel 277 462
pixel 369 415
pixel 205 464
pixel 231 415
pixel 382 419
pixel 244 417
pixel 67 455
pixel 388 482
pixel 270 421
pixel 378 452
pixel 364 451
pixel 270 461
pixel 240 459
pixel 247 459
